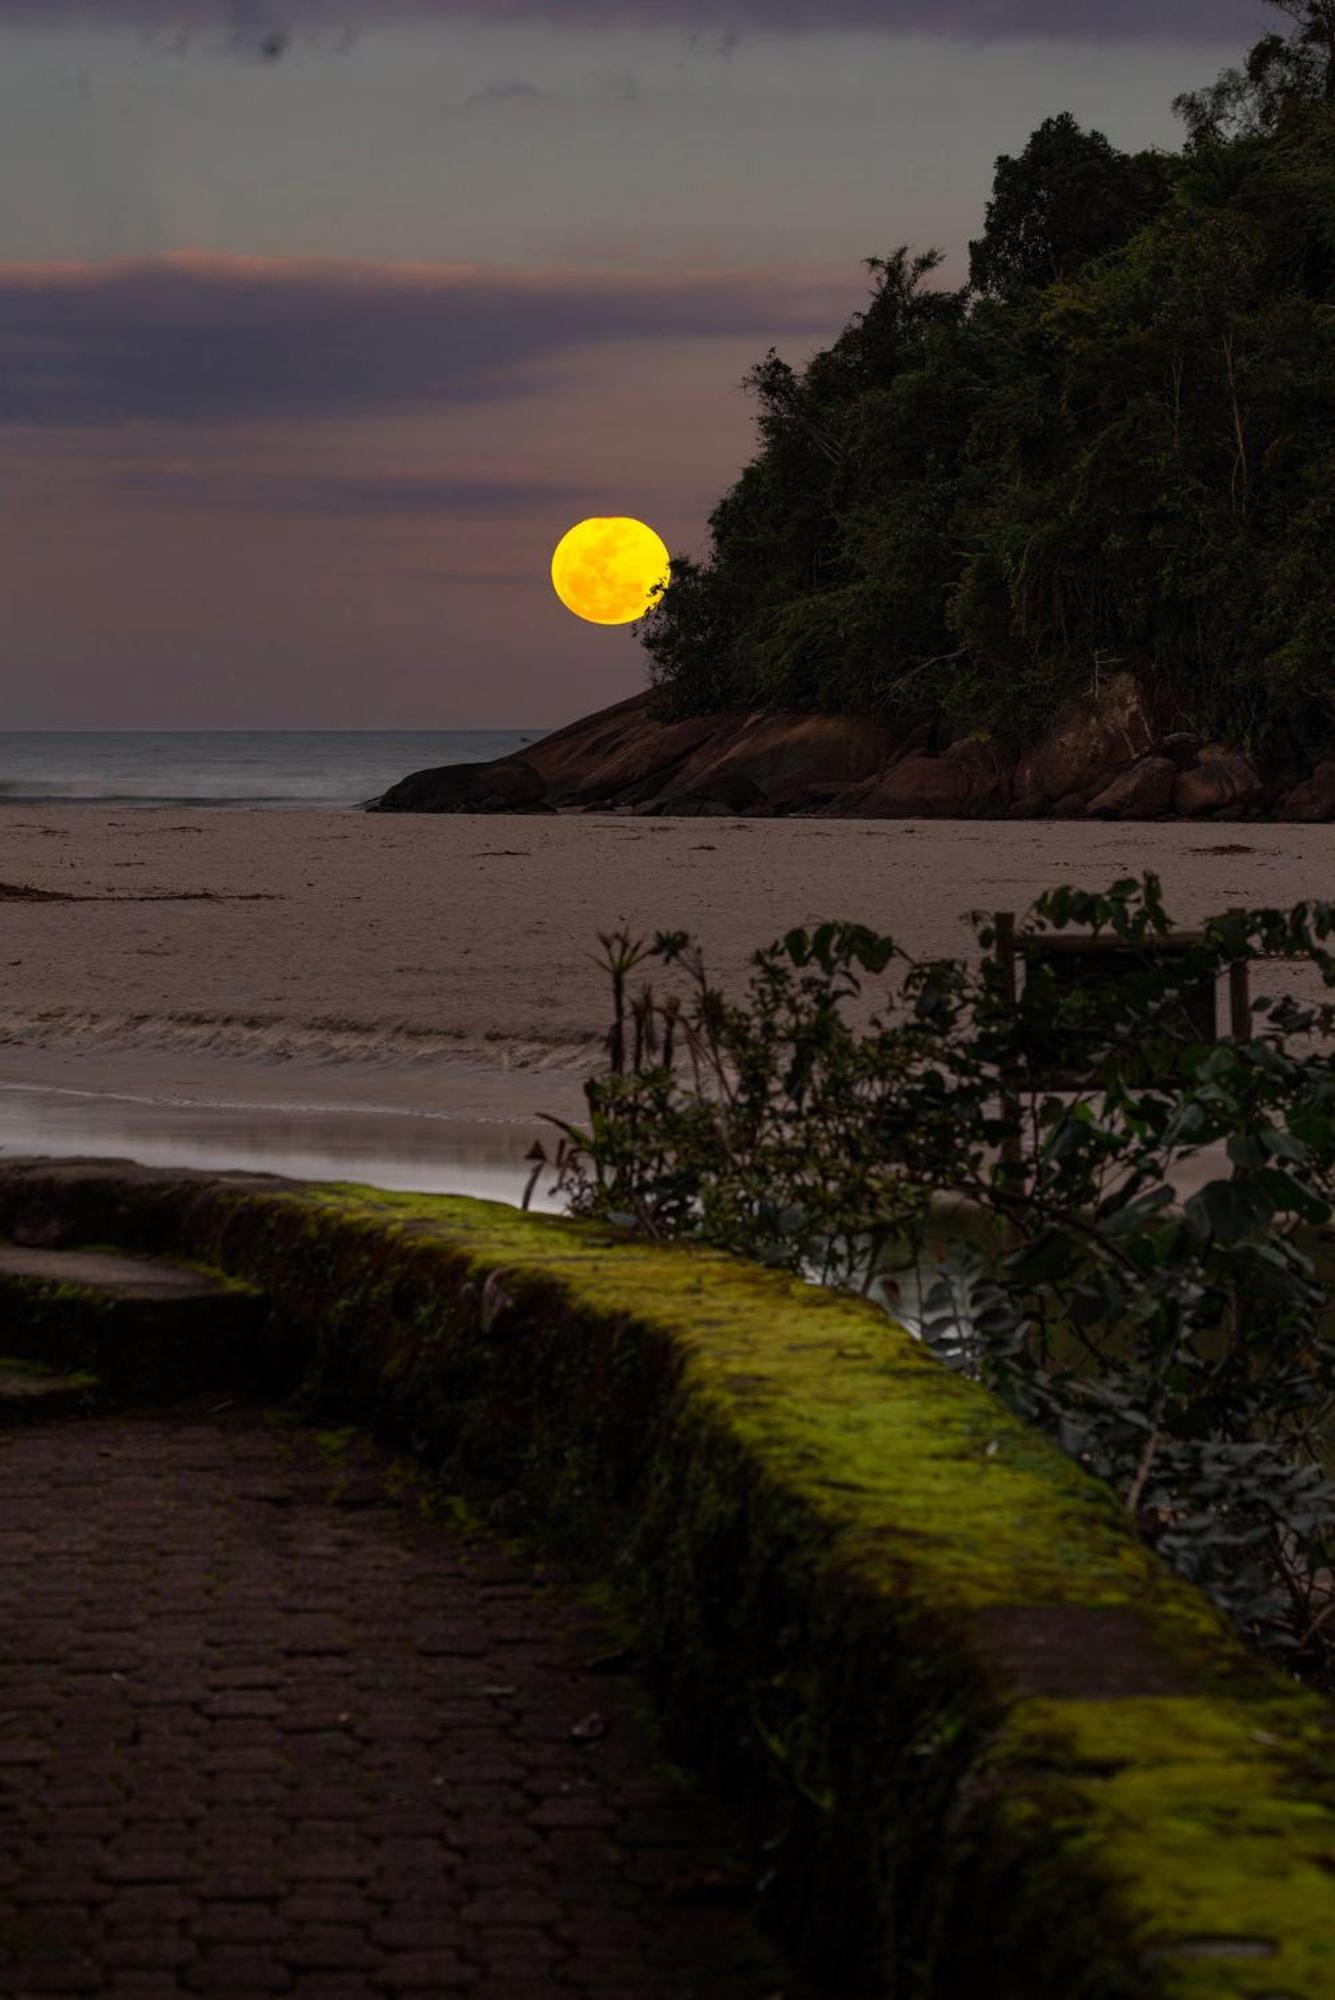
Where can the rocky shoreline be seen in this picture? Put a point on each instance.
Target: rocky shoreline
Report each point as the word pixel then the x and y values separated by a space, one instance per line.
pixel 1103 757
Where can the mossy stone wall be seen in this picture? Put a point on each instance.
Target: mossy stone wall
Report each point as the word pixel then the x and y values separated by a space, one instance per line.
pixel 991 1746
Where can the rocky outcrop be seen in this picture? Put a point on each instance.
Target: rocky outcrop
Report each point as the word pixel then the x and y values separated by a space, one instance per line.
pixel 620 756
pixel 1313 799
pixel 508 785
pixel 1222 781
pixel 741 762
pixel 1091 740
pixel 1101 758
pixel 1143 791
pixel 969 780
pixel 625 758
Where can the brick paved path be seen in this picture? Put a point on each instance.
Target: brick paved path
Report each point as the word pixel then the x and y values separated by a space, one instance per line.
pixel 257 1739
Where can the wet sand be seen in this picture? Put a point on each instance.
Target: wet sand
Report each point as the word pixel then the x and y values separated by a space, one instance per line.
pixel 467 1134
pixel 327 992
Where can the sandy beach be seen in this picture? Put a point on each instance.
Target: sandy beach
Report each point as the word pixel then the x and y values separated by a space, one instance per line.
pixel 322 991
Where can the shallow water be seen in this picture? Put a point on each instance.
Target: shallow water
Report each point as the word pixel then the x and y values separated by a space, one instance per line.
pixel 461 1129
pixel 272 768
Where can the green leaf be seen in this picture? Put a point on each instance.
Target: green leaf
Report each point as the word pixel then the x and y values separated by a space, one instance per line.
pixel 1225 1212
pixel 1135 1214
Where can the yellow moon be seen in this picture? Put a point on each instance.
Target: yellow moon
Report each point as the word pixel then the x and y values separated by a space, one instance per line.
pixel 609 569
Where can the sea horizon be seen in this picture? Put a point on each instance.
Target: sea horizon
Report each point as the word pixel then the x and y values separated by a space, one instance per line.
pixel 263 769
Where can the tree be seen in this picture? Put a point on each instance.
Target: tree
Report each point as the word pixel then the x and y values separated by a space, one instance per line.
pixel 1118 441
pixel 1313 46
pixel 1068 198
pixel 1278 72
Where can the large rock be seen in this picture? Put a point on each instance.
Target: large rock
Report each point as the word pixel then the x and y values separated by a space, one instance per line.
pixel 620 756
pixel 1143 791
pixel 1100 758
pixel 1224 780
pixel 1313 799
pixel 751 762
pixel 776 762
pixel 507 785
pixel 625 757
pixel 970 780
pixel 1091 739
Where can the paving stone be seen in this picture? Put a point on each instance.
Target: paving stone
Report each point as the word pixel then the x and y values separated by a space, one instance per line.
pixel 56 1976
pixel 152 1908
pixel 421 1972
pixel 150 1953
pixel 329 1986
pixel 254 1744
pixel 328 1950
pixel 235 1971
pixel 328 1908
pixel 239 1923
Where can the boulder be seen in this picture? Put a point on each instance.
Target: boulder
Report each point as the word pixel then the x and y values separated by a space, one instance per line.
pixel 625 756
pixel 779 762
pixel 1143 791
pixel 1313 798
pixel 514 786
pixel 1099 759
pixel 686 805
pixel 1091 739
pixel 1030 800
pixel 970 780
pixel 620 756
pixel 1179 744
pixel 1224 780
pixel 507 785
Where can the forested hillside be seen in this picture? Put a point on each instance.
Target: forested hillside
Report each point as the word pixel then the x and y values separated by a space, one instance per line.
pixel 1115 446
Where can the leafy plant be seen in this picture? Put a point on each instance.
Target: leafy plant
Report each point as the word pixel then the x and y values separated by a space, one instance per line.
pixel 1113 1220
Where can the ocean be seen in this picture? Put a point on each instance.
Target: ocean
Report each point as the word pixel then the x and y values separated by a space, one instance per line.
pixel 276 769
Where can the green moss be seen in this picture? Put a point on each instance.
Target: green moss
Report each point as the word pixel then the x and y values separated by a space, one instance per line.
pixel 992 1746
pixel 56 1386
pixel 14 1365
pixel 1212 1822
pixel 135 1344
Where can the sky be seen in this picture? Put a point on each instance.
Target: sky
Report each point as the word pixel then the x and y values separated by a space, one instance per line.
pixel 322 320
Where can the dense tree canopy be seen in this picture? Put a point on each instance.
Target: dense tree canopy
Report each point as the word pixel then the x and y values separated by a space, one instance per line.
pixel 1068 198
pixel 1117 442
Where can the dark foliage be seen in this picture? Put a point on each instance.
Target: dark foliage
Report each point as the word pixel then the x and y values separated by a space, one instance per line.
pixel 1117 442
pixel 1133 1260
pixel 1069 198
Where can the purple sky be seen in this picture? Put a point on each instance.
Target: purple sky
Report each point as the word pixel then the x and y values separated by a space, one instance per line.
pixel 321 320
pixel 1105 20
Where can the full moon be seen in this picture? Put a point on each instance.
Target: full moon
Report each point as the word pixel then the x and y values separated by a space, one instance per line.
pixel 608 569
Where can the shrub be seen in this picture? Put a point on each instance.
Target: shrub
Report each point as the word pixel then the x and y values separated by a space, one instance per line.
pixel 1178 1344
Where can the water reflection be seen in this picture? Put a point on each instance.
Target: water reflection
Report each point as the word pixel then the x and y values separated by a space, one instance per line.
pixel 444 1143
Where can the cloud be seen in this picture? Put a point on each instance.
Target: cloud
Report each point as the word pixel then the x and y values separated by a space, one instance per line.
pixel 616 88
pixel 502 93
pixel 226 340
pixel 253 23
pixel 333 496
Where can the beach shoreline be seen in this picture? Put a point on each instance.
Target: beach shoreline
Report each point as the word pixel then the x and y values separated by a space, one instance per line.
pixel 462 1127
pixel 399 986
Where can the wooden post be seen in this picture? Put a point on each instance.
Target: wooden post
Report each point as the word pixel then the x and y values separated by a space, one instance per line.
pixel 1240 1001
pixel 1240 995
pixel 1012 1149
pixel 1004 921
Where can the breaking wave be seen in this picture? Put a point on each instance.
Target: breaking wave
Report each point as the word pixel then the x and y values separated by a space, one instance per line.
pixel 278 1039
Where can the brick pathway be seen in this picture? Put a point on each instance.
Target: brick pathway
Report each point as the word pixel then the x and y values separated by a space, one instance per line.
pixel 264 1728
